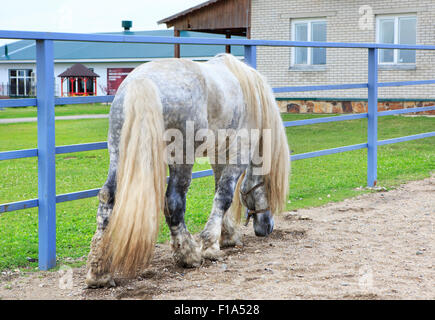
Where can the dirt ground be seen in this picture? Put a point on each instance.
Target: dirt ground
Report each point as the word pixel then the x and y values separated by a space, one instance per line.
pixel 374 246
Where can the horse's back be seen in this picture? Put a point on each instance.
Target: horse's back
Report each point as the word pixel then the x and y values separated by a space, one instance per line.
pixel 182 89
pixel 205 93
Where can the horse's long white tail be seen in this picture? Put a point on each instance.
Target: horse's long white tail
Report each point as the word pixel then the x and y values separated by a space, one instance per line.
pixel 131 234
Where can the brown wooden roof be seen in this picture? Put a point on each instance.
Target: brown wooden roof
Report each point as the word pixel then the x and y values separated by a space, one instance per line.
pixel 78 70
pixel 187 11
pixel 214 16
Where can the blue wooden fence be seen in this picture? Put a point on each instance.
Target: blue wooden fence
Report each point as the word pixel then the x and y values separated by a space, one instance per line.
pixel 45 101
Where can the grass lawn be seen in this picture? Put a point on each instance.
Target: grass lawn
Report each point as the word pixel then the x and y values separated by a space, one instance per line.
pixel 314 181
pixel 64 110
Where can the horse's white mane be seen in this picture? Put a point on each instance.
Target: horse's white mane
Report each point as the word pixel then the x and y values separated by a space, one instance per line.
pixel 261 104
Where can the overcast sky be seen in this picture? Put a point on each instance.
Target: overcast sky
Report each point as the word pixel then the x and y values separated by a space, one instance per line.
pixel 87 16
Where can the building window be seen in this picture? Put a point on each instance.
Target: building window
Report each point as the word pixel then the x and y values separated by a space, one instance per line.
pixel 397 30
pixel 308 30
pixel 21 82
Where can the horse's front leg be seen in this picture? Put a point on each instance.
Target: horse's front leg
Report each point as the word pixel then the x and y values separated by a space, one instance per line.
pixel 230 234
pixel 210 236
pixel 185 249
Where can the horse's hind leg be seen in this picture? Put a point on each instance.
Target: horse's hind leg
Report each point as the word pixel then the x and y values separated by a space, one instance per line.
pixel 223 198
pixel 186 251
pixel 230 235
pixel 96 275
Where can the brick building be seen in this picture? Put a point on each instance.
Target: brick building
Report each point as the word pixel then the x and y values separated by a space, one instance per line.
pixel 393 21
pixel 369 21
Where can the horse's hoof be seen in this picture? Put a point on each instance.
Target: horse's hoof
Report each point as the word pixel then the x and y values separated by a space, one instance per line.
pixel 189 259
pixel 103 281
pixel 186 252
pixel 188 263
pixel 213 253
pixel 233 241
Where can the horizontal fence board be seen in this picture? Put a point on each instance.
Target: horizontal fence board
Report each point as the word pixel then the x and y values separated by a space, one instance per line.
pixel 13 206
pixel 18 154
pixel 320 88
pixel 32 35
pixel 201 174
pixel 83 100
pixel 19 205
pixel 407 138
pixel 81 147
pixel 77 195
pixel 409 110
pixel 324 120
pixel 405 83
pixel 301 156
pixel 13 103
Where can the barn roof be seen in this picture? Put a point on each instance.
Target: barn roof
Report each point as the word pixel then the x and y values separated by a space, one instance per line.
pixel 229 17
pixel 70 51
pixel 187 11
pixel 78 70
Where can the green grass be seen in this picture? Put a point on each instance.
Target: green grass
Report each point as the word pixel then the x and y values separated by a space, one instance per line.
pixel 64 110
pixel 314 181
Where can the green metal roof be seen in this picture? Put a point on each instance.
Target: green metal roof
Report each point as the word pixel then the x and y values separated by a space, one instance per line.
pixel 74 50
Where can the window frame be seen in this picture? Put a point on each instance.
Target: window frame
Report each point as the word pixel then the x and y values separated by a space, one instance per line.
pixel 25 78
pixel 396 52
pixel 309 22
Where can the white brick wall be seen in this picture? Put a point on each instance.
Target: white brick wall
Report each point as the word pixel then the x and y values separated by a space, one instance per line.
pixel 271 19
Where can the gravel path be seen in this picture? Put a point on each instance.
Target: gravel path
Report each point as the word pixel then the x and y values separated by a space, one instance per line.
pixel 374 246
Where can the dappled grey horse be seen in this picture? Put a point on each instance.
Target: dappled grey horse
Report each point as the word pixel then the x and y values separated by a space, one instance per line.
pixel 155 113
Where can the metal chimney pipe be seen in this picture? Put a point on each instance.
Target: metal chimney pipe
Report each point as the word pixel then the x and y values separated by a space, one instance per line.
pixel 127 24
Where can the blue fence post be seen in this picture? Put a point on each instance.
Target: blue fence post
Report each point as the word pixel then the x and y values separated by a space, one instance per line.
pixel 372 131
pixel 251 56
pixel 46 154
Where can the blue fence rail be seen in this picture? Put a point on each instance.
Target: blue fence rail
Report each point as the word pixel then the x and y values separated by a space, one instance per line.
pixel 45 101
